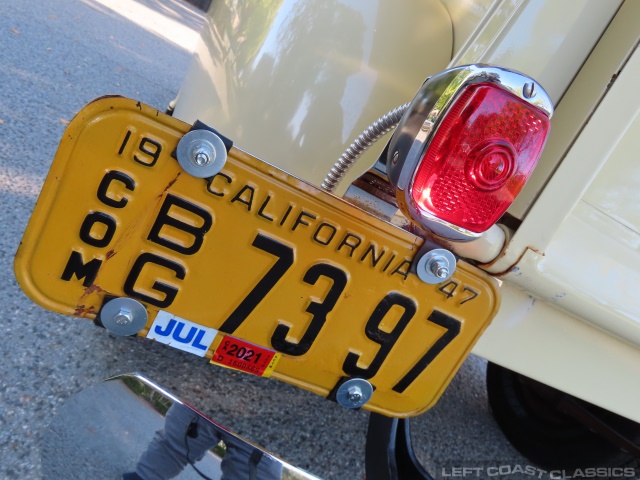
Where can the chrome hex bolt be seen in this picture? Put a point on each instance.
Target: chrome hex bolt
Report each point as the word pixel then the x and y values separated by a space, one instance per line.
pixel 440 267
pixel 201 158
pixel 354 393
pixel 201 153
pixel 123 316
pixel 436 266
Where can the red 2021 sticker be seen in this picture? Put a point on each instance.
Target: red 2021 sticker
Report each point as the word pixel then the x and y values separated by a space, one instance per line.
pixel 244 356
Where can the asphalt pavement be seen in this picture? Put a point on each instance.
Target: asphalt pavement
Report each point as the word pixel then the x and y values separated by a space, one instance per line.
pixel 56 56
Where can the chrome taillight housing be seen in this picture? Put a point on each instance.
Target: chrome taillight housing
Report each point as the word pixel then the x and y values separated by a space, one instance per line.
pixel 465 148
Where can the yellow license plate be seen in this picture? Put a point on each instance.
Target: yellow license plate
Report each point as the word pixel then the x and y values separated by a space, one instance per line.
pixel 252 253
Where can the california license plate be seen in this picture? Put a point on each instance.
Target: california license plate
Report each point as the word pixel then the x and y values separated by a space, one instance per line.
pixel 253 268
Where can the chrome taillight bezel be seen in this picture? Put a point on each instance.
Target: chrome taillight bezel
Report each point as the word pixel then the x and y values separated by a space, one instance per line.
pixel 420 123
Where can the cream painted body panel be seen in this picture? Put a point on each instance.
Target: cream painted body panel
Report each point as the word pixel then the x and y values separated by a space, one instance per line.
pixel 539 340
pixel 466 15
pixel 294 83
pixel 582 237
pixel 577 251
pixel 548 40
pixel 296 93
pixel 587 90
pixel 569 310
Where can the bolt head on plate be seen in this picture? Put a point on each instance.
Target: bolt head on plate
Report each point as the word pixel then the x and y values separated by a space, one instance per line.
pixel 123 316
pixel 201 158
pixel 436 266
pixel 440 268
pixel 354 393
pixel 201 153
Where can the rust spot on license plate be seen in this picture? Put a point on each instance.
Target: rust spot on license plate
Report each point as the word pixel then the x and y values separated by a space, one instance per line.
pixel 83 311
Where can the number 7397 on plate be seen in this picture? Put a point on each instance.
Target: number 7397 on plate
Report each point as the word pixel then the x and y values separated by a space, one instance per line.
pixel 318 290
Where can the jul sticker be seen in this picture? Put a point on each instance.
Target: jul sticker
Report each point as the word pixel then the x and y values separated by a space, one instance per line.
pixel 181 334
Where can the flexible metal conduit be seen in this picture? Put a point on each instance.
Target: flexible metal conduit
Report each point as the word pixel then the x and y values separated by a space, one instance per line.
pixel 367 138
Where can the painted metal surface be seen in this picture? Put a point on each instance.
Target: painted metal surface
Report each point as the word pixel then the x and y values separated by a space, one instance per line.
pixel 296 82
pixel 582 263
pixel 581 99
pixel 537 339
pixel 252 252
pixel 536 37
pixel 581 238
pixel 588 238
pixel 466 15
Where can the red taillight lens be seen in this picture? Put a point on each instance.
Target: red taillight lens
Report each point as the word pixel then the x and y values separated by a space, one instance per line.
pixel 480 157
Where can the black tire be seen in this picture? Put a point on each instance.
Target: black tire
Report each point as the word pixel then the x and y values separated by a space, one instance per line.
pixel 527 413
